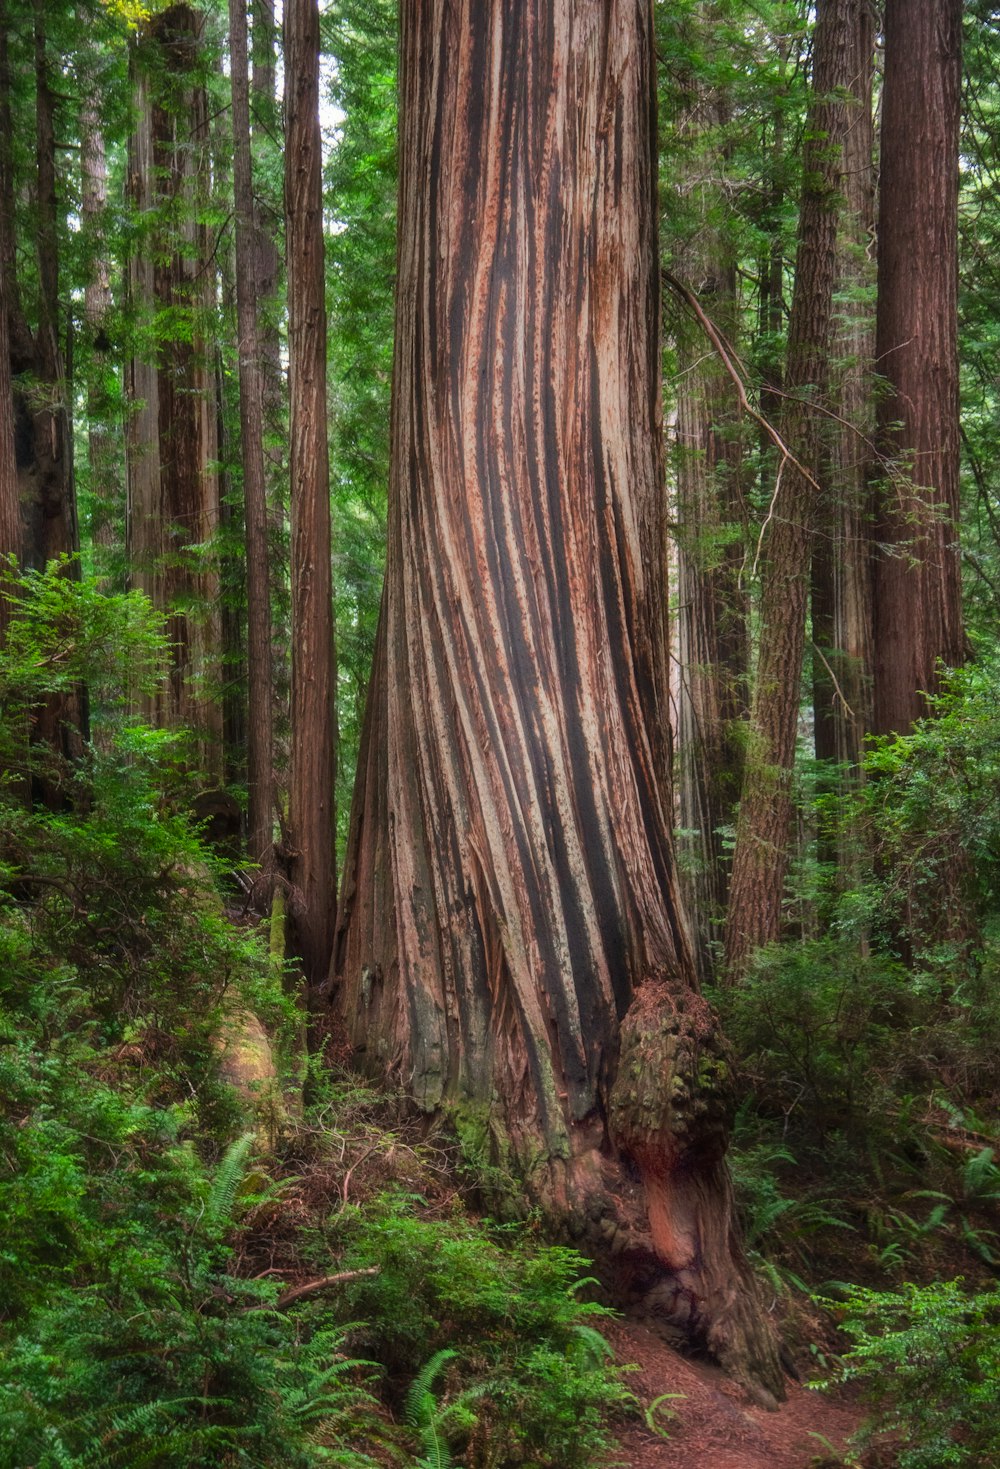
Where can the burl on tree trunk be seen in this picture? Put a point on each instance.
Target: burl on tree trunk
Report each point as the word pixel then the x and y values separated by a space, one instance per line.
pixel 509 933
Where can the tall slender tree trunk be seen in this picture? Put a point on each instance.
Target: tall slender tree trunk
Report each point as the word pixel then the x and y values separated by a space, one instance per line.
pixel 712 609
pixel 259 723
pixel 841 568
pixel 763 829
pixel 267 274
pixel 52 528
pixel 10 504
pixel 10 498
pixel 311 811
pixel 510 934
pixel 105 487
pixel 918 609
pixel 173 492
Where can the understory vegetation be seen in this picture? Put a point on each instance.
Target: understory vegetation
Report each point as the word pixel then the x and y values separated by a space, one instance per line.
pixel 160 1213
pixel 205 1264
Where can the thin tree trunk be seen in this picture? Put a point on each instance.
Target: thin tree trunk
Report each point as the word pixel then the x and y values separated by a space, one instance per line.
pixel 712 609
pixel 105 486
pixel 10 507
pixel 259 724
pixel 10 500
pixel 173 493
pixel 918 608
pixel 510 935
pixel 267 274
pixel 763 828
pixel 841 569
pixel 311 811
pixel 52 513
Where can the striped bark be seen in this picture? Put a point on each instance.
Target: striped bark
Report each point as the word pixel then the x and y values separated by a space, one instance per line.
pixel 510 933
pixel 918 601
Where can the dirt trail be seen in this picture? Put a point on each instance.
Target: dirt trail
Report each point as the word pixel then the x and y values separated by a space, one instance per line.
pixel 715 1427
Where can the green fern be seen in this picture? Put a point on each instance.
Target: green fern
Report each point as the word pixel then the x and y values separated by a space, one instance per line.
pixel 218 1215
pixel 426 1416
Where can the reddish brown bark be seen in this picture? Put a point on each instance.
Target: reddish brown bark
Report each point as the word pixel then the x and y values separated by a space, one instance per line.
pixel 310 813
pixel 173 496
pixel 764 823
pixel 510 932
pixel 918 609
pixel 259 731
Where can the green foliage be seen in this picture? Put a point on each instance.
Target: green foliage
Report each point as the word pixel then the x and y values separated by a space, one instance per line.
pixel 928 1357
pixel 811 1025
pixel 527 1356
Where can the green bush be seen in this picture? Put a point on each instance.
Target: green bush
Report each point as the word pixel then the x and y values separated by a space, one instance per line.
pixel 813 1028
pixel 928 1358
pixel 525 1344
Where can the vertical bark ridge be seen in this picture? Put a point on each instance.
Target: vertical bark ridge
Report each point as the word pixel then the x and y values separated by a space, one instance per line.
pixel 918 607
pixel 313 709
pixel 510 889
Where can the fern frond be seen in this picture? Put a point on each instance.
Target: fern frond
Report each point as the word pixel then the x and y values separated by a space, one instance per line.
pixel 225 1186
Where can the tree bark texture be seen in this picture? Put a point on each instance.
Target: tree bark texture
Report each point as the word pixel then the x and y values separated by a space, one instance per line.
pixel 510 936
pixel 172 443
pixel 712 607
pixel 842 594
pixel 105 485
pixel 763 826
pixel 313 745
pixel 46 475
pixel 259 723
pixel 267 274
pixel 918 610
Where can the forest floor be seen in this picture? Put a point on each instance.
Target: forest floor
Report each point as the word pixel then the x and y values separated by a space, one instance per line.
pixel 716 1427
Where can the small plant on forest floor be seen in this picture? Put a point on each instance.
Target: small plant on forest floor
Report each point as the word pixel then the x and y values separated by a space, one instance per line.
pixel 660 1416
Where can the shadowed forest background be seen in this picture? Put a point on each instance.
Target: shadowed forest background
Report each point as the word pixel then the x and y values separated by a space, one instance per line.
pixel 499 728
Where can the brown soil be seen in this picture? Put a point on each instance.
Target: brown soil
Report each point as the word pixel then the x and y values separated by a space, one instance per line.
pixel 715 1426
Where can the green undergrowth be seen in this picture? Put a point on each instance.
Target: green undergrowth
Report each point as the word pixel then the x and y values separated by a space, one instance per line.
pixel 166 1238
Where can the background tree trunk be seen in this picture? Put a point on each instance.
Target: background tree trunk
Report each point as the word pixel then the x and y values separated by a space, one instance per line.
pixel 104 480
pixel 712 607
pixel 311 813
pixel 259 738
pixel 918 607
pixel 763 826
pixel 510 935
pixel 173 491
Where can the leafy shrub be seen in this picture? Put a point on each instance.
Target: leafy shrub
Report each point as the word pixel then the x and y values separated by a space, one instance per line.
pixel 510 1310
pixel 812 1026
pixel 928 1357
pixel 167 1359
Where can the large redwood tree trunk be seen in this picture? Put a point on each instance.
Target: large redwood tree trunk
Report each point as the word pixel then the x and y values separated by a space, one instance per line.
pixel 918 608
pixel 510 933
